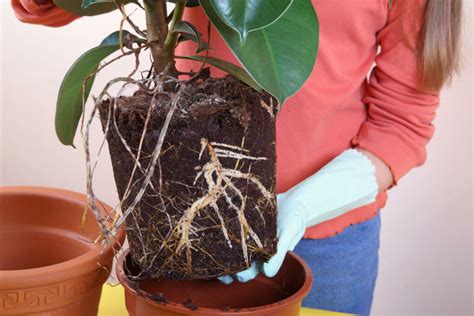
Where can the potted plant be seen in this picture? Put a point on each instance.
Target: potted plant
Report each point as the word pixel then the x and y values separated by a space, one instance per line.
pixel 193 156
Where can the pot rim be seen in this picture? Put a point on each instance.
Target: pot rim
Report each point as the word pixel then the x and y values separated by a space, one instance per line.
pixel 66 269
pixel 179 308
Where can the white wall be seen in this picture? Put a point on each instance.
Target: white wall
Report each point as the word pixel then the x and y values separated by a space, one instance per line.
pixel 427 243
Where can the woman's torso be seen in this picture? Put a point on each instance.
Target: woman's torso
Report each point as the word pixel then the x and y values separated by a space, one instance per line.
pixel 320 121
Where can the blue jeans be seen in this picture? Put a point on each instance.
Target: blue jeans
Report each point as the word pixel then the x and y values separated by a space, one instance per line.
pixel 344 268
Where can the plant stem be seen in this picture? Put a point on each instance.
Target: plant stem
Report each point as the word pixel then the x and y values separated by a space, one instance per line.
pixel 172 37
pixel 157 32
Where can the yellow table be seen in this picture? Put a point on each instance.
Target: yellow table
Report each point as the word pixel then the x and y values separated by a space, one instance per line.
pixel 113 304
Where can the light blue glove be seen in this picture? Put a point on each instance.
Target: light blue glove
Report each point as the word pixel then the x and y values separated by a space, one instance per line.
pixel 347 182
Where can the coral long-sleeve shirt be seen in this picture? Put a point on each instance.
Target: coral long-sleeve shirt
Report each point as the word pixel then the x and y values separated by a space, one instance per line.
pixel 339 107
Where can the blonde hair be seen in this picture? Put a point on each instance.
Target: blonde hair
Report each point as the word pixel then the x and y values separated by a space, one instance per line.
pixel 439 43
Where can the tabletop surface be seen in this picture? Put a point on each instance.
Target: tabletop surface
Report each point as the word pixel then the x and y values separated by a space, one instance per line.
pixel 113 304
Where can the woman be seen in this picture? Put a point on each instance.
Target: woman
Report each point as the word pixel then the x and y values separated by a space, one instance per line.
pixel 343 140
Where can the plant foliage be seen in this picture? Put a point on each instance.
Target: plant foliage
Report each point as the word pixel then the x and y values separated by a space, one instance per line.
pixel 281 56
pixel 275 41
pixel 76 86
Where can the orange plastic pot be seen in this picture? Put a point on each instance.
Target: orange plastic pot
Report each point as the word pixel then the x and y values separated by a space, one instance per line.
pixel 278 296
pixel 48 264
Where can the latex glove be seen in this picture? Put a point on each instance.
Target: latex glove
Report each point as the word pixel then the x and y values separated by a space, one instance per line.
pixel 345 183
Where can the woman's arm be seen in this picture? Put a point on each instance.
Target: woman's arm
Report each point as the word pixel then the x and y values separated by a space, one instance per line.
pixel 382 171
pixel 399 113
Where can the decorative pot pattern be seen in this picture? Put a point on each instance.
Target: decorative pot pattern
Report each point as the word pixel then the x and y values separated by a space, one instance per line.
pixel 49 265
pixel 50 297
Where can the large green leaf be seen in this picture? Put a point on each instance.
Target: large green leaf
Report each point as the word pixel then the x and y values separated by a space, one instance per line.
pixel 280 57
pixel 71 93
pixel 228 67
pixel 76 6
pixel 246 16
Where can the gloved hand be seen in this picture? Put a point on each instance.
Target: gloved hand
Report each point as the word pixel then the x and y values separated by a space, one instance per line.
pixel 345 183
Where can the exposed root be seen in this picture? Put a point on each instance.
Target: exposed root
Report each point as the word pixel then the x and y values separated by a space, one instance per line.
pixel 91 198
pixel 241 149
pixel 237 174
pixel 222 222
pixel 151 168
pixel 221 153
pixel 136 159
pixel 218 189
pixel 269 108
pixel 174 232
pixel 117 219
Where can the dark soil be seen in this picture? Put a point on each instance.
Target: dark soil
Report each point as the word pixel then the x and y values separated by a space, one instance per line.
pixel 189 304
pixel 217 117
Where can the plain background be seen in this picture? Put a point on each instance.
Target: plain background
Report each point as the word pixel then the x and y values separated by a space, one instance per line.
pixel 426 265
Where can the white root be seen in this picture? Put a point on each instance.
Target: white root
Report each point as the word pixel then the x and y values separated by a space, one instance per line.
pixel 237 174
pixel 267 107
pixel 214 144
pixel 223 227
pixel 220 181
pixel 216 191
pixel 151 168
pixel 136 159
pixel 241 215
pixel 91 198
pixel 229 154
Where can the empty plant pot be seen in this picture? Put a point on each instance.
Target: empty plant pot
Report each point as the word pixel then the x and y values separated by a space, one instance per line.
pixel 278 296
pixel 48 264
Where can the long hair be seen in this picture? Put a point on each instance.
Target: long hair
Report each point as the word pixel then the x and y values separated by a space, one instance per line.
pixel 439 42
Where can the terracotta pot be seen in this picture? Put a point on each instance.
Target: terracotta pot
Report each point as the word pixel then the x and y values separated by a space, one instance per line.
pixel 48 265
pixel 278 296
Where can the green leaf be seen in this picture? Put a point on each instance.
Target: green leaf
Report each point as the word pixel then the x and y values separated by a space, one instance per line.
pixel 228 67
pixel 190 32
pixel 280 57
pixel 245 16
pixel 76 6
pixel 70 97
